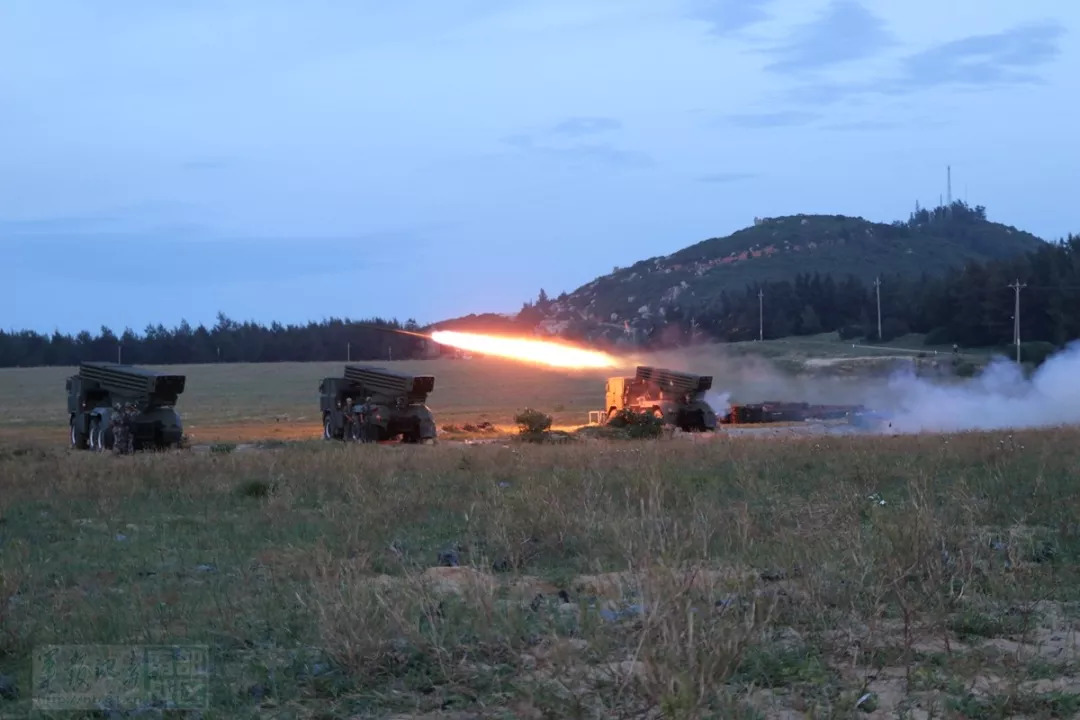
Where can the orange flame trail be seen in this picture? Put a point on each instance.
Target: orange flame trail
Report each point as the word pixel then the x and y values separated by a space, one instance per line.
pixel 526 350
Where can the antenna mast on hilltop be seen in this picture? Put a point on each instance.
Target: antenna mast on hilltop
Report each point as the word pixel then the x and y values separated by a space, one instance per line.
pixel 948 189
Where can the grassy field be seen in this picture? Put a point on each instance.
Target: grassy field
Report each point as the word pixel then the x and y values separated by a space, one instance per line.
pixel 879 577
pixel 905 577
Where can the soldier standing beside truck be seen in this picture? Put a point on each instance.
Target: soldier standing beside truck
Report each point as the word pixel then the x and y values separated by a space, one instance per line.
pixel 110 402
pixel 348 413
pixel 394 405
pixel 122 419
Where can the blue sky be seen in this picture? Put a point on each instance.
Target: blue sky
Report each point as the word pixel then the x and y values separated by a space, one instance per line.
pixel 288 161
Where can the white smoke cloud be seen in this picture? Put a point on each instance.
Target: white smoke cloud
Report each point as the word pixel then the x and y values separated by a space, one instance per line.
pixel 999 398
pixel 720 402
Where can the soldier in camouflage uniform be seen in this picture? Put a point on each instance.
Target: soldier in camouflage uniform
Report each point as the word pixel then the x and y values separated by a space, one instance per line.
pixel 123 442
pixel 367 431
pixel 349 412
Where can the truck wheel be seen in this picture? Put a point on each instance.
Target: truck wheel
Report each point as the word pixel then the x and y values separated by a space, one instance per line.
pixel 327 433
pixel 95 436
pixel 78 440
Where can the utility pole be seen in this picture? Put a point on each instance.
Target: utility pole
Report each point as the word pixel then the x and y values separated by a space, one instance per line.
pixel 760 315
pixel 948 189
pixel 1017 286
pixel 118 348
pixel 877 289
pixel 348 352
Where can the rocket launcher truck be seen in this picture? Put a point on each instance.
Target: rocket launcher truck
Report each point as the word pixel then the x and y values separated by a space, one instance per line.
pixel 371 404
pixel 676 397
pixel 93 392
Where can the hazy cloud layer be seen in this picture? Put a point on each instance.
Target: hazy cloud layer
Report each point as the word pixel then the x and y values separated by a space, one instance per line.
pixel 844 32
pixel 1000 58
pixel 548 145
pixel 727 16
pixel 1010 57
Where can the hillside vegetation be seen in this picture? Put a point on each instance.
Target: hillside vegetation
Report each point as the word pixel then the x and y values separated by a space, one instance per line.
pixel 779 249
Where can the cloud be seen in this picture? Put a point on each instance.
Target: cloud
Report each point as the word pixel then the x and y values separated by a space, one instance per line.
pixel 1005 58
pixel 728 16
pixel 725 177
pixel 785 118
pixel 578 126
pixel 846 31
pixel 604 153
pixel 1001 58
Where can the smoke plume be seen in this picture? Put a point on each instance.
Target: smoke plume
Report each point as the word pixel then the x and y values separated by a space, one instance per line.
pixel 1001 397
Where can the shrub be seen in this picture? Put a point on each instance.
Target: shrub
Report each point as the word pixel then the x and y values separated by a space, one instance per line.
pixel 851 332
pixel 533 425
pixel 938 336
pixel 638 424
pixel 1036 352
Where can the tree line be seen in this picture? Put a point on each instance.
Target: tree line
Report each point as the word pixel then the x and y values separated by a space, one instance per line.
pixel 971 306
pixel 226 341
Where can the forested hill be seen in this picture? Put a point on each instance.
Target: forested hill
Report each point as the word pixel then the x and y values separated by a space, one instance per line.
pixel 778 249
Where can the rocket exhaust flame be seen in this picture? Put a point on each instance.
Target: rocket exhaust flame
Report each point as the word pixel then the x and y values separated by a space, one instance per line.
pixel 526 350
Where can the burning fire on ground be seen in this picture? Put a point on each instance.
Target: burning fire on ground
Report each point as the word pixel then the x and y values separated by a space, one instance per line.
pixel 526 350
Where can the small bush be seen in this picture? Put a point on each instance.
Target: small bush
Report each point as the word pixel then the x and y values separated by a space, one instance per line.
pixel 638 424
pixel 256 488
pixel 851 332
pixel 964 368
pixel 938 336
pixel 531 422
pixel 1036 352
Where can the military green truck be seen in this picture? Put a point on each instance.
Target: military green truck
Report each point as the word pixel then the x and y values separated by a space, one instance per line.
pixel 372 404
pixel 677 398
pixel 98 387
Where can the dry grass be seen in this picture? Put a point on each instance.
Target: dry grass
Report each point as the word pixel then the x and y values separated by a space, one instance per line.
pixel 925 576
